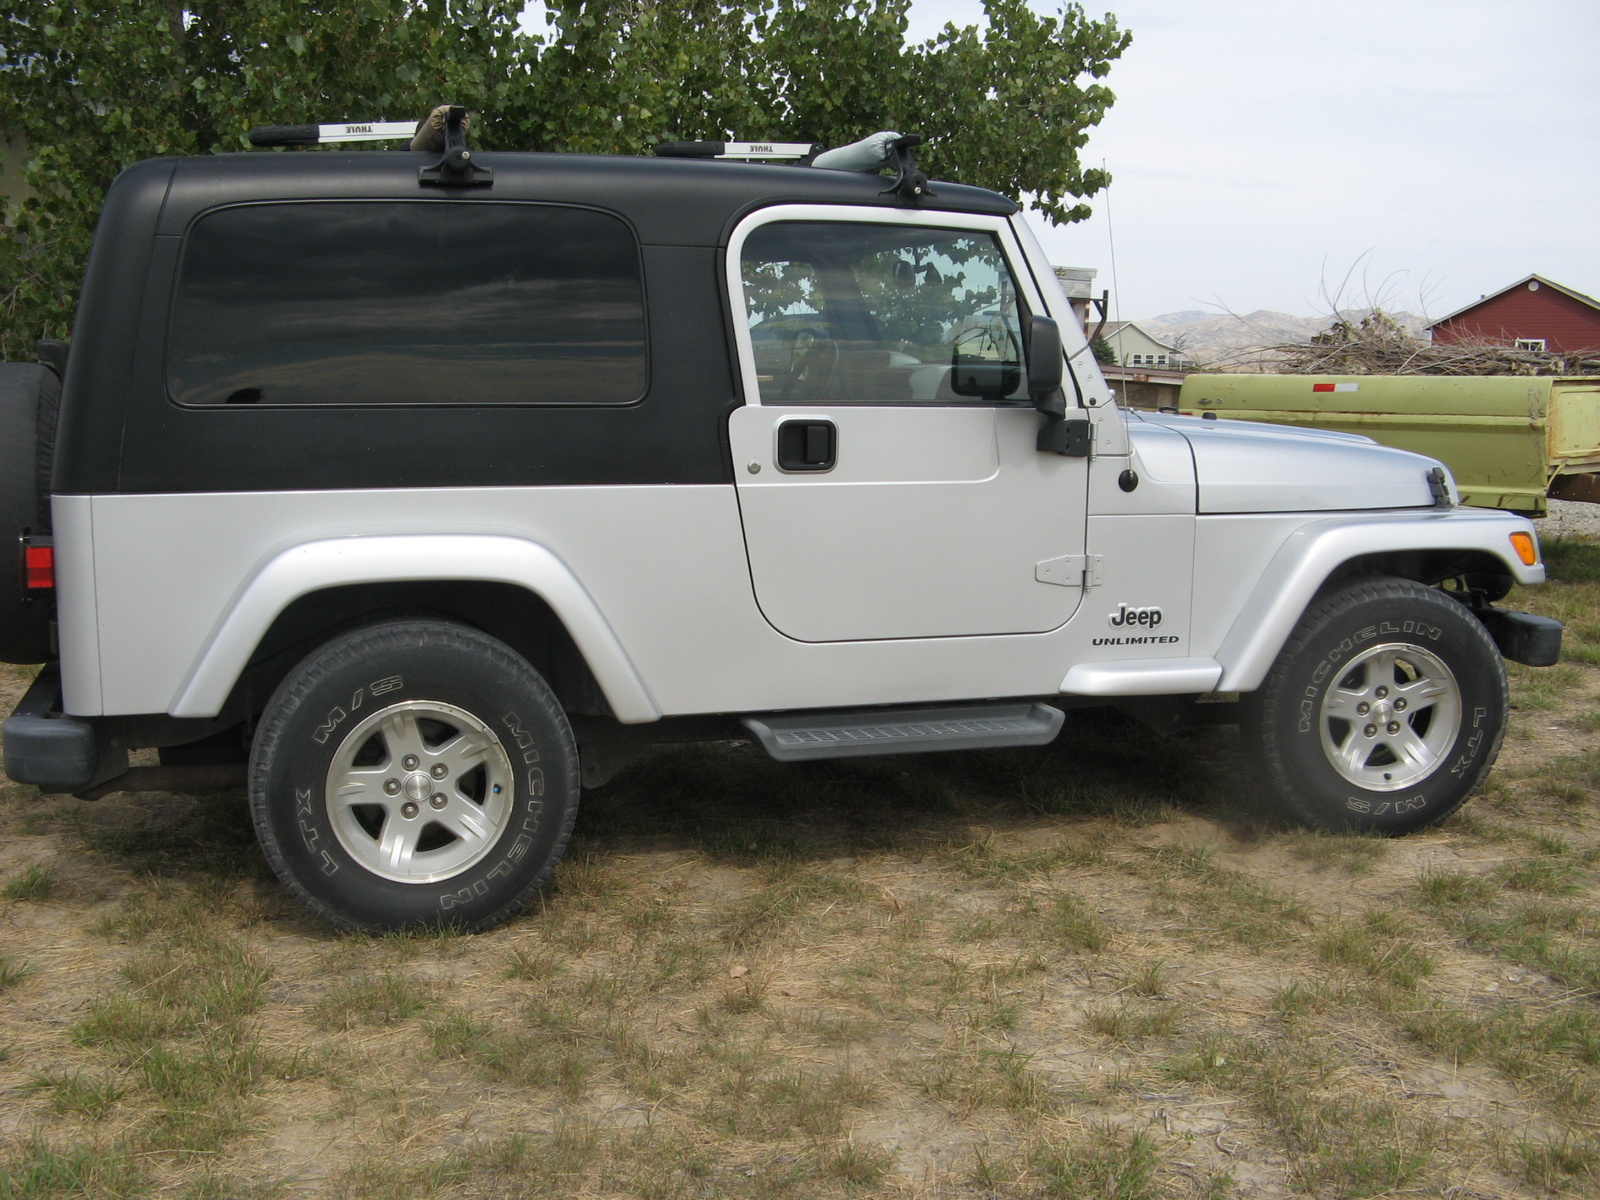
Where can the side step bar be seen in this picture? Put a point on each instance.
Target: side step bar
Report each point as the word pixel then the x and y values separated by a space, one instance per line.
pixel 796 737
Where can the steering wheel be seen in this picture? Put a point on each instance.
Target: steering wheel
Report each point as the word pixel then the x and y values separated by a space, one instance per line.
pixel 818 361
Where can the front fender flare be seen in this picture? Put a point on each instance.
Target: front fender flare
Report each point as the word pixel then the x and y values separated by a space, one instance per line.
pixel 314 566
pixel 1313 552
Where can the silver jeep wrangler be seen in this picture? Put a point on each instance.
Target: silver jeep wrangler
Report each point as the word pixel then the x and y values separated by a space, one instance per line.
pixel 417 495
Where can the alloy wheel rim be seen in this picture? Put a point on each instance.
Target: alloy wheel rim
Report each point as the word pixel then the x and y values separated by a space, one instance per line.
pixel 419 791
pixel 1391 717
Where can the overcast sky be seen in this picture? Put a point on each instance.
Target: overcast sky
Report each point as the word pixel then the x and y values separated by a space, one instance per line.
pixel 1264 149
pixel 1442 148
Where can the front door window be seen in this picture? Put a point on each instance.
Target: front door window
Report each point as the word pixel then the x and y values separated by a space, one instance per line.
pixel 868 313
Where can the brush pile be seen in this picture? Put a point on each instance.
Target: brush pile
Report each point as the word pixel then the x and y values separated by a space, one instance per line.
pixel 1377 344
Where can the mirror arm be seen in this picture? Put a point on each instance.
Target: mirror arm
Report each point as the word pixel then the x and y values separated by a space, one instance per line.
pixel 1074 438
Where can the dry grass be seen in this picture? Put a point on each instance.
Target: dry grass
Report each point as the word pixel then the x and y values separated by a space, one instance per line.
pixel 1101 969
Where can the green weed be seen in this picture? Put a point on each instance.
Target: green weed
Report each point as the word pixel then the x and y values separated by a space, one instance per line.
pixel 1104 1164
pixel 1557 1165
pixel 1548 876
pixel 37 882
pixel 1456 890
pixel 529 1057
pixel 1072 924
pixel 202 1091
pixel 13 972
pixel 1124 1022
pixel 40 1171
pixel 1377 945
pixel 87 1095
pixel 858 1166
pixel 369 1000
pixel 968 1078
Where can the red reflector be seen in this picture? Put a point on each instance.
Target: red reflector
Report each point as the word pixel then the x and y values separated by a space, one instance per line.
pixel 40 566
pixel 1322 387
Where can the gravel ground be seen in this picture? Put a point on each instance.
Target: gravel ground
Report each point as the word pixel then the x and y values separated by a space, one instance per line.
pixel 1570 518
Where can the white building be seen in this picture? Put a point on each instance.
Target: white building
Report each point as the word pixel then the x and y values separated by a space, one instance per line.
pixel 1136 348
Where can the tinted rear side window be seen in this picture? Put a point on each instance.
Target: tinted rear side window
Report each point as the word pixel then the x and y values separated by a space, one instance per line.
pixel 408 303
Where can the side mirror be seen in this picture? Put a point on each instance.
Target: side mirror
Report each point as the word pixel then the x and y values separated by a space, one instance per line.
pixel 984 378
pixel 1045 366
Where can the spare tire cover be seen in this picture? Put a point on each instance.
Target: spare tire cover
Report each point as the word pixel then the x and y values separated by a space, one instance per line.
pixel 30 395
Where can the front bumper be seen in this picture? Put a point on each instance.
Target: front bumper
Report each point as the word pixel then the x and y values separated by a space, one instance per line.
pixel 1524 638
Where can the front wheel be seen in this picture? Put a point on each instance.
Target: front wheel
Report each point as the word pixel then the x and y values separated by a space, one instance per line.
pixel 1384 711
pixel 410 774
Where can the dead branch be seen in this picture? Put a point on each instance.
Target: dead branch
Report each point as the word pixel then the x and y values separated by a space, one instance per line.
pixel 1377 344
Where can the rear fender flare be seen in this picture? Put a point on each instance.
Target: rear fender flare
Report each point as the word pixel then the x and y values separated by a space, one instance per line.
pixel 315 566
pixel 1312 553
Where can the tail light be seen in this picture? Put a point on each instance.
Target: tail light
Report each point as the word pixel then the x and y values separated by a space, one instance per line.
pixel 38 564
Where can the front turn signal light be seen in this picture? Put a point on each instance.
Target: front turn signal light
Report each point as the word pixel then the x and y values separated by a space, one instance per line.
pixel 1525 547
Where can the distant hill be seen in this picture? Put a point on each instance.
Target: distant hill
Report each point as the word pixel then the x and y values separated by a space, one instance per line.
pixel 1210 337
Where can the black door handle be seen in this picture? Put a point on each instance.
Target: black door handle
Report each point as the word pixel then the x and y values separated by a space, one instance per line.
pixel 807 445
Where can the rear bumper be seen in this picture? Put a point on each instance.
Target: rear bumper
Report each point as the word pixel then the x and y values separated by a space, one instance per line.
pixel 44 747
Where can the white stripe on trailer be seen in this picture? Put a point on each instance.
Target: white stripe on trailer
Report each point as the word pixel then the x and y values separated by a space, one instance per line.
pixel 366 131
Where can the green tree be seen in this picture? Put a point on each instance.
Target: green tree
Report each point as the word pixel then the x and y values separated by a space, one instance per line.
pixel 95 85
pixel 1103 351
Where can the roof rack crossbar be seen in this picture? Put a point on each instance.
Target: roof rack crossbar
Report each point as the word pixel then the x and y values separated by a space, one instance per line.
pixel 867 157
pixel 739 151
pixel 318 135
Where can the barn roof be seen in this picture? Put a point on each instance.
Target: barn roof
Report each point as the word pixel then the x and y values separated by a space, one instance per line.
pixel 1511 287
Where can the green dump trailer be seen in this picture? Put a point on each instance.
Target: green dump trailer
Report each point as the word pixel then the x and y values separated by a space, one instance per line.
pixel 1510 441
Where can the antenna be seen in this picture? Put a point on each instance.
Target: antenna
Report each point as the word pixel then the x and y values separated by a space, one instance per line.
pixel 1111 239
pixel 1116 288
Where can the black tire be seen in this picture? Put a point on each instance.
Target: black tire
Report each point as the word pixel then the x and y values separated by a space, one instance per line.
pixel 335 797
pixel 30 395
pixel 1384 711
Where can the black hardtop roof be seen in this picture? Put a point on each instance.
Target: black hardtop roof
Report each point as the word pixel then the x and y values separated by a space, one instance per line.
pixel 669 201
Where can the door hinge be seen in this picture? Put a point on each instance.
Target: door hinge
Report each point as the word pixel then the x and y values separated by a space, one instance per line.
pixel 1071 570
pixel 1074 438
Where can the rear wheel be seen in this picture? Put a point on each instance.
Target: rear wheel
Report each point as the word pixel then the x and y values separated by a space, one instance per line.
pixel 1384 711
pixel 416 773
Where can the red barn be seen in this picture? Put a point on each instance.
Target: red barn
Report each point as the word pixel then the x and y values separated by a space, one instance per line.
pixel 1534 313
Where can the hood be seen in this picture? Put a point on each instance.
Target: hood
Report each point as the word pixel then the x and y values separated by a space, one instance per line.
pixel 1246 467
